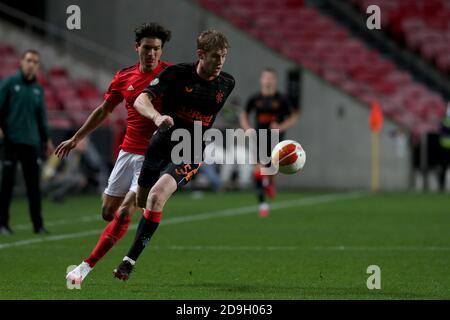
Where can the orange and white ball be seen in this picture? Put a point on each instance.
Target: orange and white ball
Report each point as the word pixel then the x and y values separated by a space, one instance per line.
pixel 288 156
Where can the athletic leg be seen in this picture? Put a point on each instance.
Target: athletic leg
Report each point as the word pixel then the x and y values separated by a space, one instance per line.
pixel 115 229
pixel 173 178
pixel 118 206
pixel 110 205
pixel 7 184
pixel 270 188
pixel 117 209
pixel 259 184
pixel 30 167
pixel 158 196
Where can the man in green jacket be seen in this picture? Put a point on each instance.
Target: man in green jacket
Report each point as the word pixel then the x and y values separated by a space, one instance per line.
pixel 24 129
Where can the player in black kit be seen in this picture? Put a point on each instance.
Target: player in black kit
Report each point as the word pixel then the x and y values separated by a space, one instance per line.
pixel 190 93
pixel 272 111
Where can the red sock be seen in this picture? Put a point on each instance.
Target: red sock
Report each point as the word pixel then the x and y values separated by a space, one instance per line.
pixel 257 174
pixel 113 232
pixel 154 216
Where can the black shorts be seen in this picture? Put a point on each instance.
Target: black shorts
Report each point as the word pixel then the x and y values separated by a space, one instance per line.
pixel 157 162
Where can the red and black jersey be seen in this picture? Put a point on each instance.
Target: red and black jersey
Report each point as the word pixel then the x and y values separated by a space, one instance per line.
pixel 126 85
pixel 269 109
pixel 186 97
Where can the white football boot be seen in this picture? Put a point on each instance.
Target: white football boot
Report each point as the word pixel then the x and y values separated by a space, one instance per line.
pixel 77 275
pixel 263 210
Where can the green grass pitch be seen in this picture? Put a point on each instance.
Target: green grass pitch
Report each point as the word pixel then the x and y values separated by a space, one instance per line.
pixel 312 246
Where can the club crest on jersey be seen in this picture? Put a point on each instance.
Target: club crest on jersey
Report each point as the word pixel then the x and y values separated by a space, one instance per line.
pixel 154 82
pixel 219 96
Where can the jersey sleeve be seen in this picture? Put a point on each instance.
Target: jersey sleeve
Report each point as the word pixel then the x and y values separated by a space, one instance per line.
pixel 162 83
pixel 113 94
pixel 4 92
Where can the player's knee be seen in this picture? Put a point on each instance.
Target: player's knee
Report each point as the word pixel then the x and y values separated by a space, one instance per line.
pixel 107 213
pixel 125 211
pixel 155 200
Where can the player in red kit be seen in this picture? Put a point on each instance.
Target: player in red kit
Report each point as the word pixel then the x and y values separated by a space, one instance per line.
pixel 119 196
pixel 192 94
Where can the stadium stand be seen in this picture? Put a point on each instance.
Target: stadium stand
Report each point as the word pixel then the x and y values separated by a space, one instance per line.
pixel 317 42
pixel 422 25
pixel 68 101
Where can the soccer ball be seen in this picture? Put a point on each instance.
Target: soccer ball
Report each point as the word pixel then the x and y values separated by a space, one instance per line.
pixel 288 156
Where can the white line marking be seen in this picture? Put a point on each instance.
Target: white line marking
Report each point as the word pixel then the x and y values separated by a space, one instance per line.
pixel 294 248
pixel 202 216
pixel 97 217
pixel 273 206
pixel 226 248
pixel 399 248
pixel 90 218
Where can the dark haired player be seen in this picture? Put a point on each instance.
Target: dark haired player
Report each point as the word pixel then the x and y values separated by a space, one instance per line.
pixel 190 92
pixel 272 111
pixel 119 198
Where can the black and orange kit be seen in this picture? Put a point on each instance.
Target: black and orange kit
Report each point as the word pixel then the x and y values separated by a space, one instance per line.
pixel 268 110
pixel 187 98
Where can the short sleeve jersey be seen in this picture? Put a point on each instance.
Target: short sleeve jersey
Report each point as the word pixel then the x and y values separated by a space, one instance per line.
pixel 126 85
pixel 269 109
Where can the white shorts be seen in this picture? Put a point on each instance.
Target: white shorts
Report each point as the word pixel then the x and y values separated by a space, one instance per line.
pixel 125 174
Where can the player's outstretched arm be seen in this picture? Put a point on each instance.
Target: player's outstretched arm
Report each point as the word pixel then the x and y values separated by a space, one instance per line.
pixel 93 121
pixel 144 106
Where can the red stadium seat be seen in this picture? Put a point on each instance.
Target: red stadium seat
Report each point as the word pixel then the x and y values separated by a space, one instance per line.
pixel 319 44
pixel 421 24
pixel 67 101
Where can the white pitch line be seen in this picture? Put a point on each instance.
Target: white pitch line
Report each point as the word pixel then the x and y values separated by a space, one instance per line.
pixel 273 206
pixel 201 216
pixel 60 222
pixel 97 217
pixel 399 248
pixel 227 248
pixel 294 248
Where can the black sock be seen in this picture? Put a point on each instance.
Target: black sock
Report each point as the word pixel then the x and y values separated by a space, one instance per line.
pixel 260 191
pixel 144 233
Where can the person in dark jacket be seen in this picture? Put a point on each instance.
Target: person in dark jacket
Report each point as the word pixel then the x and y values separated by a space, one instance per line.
pixel 444 142
pixel 24 129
